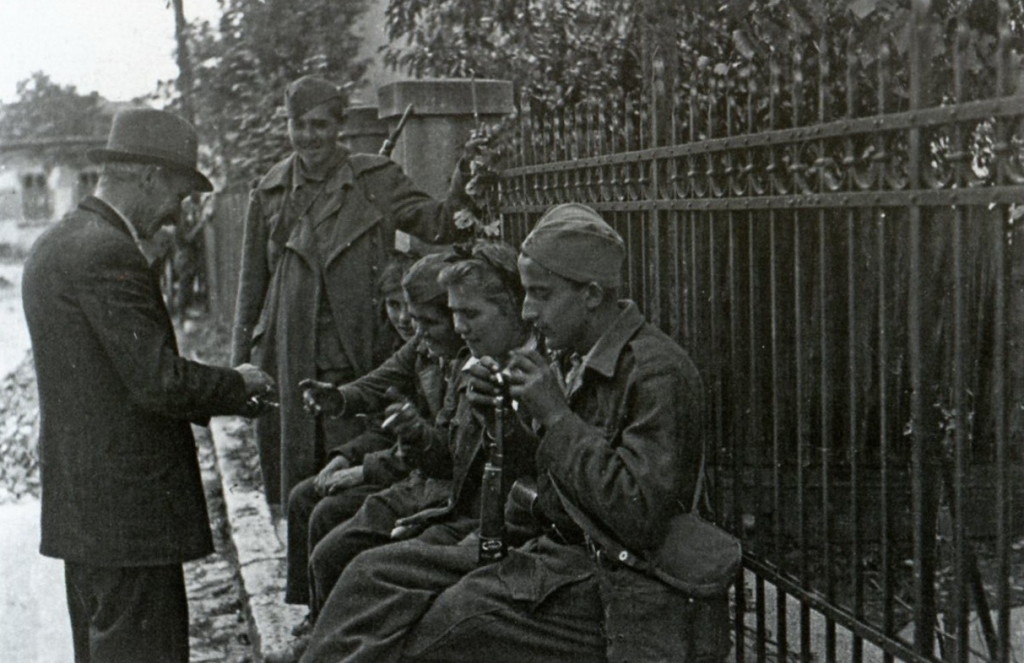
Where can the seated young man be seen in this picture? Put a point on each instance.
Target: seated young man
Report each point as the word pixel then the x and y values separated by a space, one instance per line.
pixel 418 373
pixel 484 296
pixel 620 431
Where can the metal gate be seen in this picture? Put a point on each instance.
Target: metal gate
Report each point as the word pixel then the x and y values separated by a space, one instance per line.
pixel 840 253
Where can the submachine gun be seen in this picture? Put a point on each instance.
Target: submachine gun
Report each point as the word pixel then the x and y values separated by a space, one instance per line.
pixel 493 545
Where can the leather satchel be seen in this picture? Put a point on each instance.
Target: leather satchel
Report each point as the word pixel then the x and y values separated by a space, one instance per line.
pixel 696 557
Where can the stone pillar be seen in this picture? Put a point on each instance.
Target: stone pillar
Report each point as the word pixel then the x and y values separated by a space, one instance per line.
pixel 363 131
pixel 440 124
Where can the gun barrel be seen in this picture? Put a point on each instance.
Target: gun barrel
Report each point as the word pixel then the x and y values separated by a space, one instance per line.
pixel 389 142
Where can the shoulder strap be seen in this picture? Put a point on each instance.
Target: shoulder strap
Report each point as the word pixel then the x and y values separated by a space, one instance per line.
pixel 595 533
pixel 607 542
pixel 698 490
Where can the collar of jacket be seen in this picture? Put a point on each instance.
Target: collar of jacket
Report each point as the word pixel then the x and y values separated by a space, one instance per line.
pixel 147 247
pixel 605 354
pixel 302 176
pixel 281 174
pixel 106 212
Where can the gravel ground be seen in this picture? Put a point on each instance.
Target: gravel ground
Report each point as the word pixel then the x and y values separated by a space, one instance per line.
pixel 218 629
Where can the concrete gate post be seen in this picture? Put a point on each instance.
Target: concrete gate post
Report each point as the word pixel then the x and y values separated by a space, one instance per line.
pixel 363 131
pixel 440 124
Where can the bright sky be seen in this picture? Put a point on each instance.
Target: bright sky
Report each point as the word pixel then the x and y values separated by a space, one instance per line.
pixel 119 48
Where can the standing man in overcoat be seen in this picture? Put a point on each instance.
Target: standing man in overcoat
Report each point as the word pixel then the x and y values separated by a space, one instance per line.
pixel 318 228
pixel 122 500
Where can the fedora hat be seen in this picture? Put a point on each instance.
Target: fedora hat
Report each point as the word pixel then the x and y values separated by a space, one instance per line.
pixel 146 135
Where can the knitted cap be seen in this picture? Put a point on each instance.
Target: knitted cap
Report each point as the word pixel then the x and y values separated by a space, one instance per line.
pixel 573 241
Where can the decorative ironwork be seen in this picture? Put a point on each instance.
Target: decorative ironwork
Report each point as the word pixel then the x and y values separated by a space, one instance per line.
pixel 845 266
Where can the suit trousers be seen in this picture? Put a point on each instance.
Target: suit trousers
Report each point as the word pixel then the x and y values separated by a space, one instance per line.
pixel 370 527
pixel 310 518
pixel 127 614
pixel 413 601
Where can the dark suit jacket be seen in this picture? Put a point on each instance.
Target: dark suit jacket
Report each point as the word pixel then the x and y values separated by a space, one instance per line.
pixel 120 479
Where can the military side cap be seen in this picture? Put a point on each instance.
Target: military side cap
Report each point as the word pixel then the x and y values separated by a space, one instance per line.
pixel 574 242
pixel 420 281
pixel 147 135
pixel 306 93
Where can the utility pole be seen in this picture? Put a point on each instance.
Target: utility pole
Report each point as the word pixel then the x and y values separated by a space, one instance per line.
pixel 186 77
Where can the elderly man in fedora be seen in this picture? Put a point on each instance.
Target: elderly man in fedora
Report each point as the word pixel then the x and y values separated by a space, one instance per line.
pixel 122 500
pixel 317 230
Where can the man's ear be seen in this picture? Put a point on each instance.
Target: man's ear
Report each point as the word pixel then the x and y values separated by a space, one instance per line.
pixel 593 294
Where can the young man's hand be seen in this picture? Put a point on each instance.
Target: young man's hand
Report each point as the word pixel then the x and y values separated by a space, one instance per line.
pixel 321 397
pixel 482 386
pixel 402 420
pixel 334 465
pixel 342 479
pixel 532 383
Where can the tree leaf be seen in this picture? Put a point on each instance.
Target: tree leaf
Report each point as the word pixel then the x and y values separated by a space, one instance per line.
pixel 742 44
pixel 862 8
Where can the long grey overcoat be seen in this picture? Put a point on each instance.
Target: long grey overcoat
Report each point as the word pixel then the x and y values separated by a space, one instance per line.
pixel 280 285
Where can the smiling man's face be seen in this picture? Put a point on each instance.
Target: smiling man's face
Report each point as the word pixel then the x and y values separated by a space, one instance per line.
pixel 314 136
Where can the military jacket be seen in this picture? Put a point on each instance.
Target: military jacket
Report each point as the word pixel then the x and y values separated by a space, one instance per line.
pixel 286 269
pixel 628 456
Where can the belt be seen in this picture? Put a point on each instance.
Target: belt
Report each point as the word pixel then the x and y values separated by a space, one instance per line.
pixel 569 536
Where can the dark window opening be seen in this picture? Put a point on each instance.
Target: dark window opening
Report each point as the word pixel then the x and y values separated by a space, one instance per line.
pixel 87 180
pixel 35 196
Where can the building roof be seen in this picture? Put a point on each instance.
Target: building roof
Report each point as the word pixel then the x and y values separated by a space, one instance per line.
pixel 52 142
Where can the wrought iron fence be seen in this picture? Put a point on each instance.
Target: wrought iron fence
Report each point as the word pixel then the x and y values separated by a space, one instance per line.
pixel 846 266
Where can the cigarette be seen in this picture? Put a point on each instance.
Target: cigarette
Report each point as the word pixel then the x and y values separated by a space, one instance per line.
pixel 387 423
pixel 258 401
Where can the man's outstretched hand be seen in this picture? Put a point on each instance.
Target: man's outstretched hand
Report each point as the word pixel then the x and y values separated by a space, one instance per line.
pixel 260 389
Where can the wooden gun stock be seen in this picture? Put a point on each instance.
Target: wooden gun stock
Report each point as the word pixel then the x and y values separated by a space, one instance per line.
pixel 389 142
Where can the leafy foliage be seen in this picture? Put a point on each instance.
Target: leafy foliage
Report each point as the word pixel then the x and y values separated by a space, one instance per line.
pixel 245 60
pixel 560 53
pixel 556 52
pixel 45 109
pixel 843 48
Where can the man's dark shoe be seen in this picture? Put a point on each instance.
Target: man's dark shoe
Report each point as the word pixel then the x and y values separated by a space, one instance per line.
pixel 304 627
